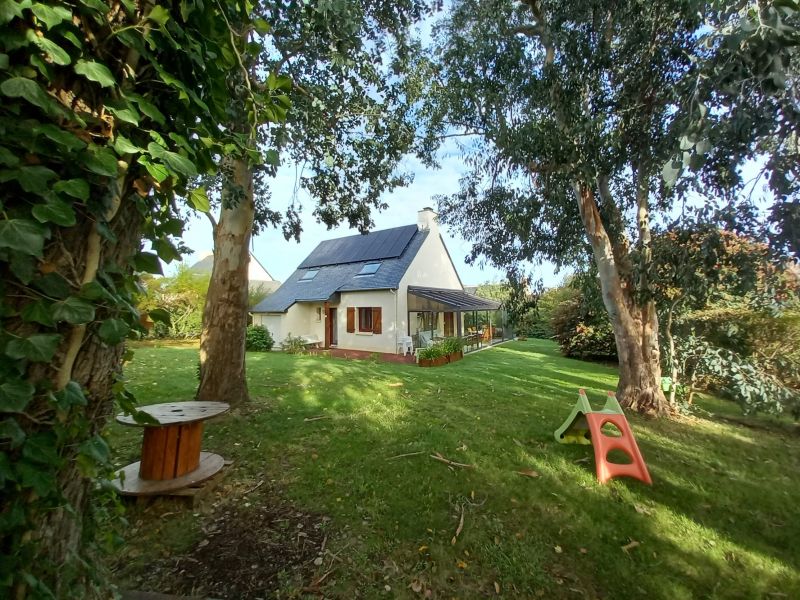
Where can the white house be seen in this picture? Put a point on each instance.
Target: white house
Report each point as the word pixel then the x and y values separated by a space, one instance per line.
pixel 257 275
pixel 366 292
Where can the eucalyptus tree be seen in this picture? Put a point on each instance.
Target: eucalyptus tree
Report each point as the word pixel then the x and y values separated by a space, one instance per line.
pixel 108 109
pixel 343 66
pixel 569 107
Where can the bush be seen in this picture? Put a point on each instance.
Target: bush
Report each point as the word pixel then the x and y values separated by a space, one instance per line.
pixel 431 352
pixel 452 345
pixel 538 322
pixel 258 339
pixel 293 344
pixel 583 334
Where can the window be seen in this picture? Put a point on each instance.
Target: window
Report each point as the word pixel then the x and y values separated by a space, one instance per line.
pixel 309 275
pixel 369 269
pixel 319 314
pixel 365 319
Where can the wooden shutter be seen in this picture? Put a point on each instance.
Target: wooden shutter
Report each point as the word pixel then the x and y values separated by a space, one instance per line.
pixel 376 319
pixel 448 324
pixel 351 319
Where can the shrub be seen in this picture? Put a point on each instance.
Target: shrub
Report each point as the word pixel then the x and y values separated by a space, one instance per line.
pixel 431 352
pixel 583 334
pixel 452 345
pixel 293 344
pixel 258 339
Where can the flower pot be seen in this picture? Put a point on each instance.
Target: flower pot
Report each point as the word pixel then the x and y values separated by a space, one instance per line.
pixel 439 361
pixel 426 362
pixel 456 356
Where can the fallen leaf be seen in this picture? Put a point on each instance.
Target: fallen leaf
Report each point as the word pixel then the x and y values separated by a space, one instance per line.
pixel 630 546
pixel 416 586
pixel 518 443
pixel 399 384
pixel 497 588
pixel 422 548
pixel 558 549
pixel 643 510
pixel 461 564
pixel 528 473
pixel 318 561
pixel 584 551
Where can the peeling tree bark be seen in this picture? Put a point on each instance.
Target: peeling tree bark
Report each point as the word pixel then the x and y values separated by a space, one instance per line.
pixel 222 340
pixel 635 326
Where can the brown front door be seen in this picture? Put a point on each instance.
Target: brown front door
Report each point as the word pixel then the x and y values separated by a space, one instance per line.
pixel 331 334
pixel 449 330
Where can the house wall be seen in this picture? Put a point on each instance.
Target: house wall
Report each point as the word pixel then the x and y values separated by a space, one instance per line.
pixel 299 320
pixel 386 341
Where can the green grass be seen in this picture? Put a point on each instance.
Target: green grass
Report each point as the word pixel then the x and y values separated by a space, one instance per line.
pixel 720 520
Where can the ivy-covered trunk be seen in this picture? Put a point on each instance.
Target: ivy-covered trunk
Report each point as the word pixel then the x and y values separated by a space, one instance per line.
pixel 635 324
pixel 222 341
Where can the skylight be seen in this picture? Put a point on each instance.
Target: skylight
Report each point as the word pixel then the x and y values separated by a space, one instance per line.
pixel 369 269
pixel 309 275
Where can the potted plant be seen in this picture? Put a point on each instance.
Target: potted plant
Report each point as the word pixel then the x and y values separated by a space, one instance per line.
pixel 454 348
pixel 431 356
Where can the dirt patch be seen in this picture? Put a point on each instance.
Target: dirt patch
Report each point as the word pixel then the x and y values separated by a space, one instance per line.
pixel 247 552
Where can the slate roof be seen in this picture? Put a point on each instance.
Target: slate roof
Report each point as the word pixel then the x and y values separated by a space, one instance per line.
pixel 342 277
pixel 455 299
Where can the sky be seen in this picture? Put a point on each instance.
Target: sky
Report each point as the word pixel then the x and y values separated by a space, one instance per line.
pixel 281 257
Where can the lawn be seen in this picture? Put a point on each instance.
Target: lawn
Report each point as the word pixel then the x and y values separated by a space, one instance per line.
pixel 720 520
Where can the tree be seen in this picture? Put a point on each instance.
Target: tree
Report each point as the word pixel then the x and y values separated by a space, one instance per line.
pixel 349 126
pixel 569 107
pixel 181 296
pixel 108 110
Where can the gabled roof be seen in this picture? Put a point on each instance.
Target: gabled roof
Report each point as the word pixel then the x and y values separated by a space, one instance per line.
pixel 343 276
pixel 206 265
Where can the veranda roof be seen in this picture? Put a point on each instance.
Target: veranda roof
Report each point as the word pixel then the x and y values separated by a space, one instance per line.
pixel 456 300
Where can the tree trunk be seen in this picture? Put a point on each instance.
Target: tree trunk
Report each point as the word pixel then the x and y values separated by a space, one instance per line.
pixel 635 325
pixel 222 341
pixel 673 360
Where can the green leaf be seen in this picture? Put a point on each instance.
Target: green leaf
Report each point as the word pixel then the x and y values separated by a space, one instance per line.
pixel 53 285
pixel 95 71
pixel 41 481
pixel 262 27
pixel 670 172
pixel 96 448
pixel 159 15
pixel 55 211
pixel 38 312
pixel 113 331
pixel 101 161
pixel 173 160
pixel 94 291
pixel 124 146
pixel 6 470
pixel 166 251
pixel 124 111
pixel 279 82
pixel 10 430
pixel 23 235
pixel 51 15
pixel 7 158
pixel 41 447
pixel 148 263
pixel 15 395
pixel 73 310
pixel 3 61
pixel 55 52
pixel 59 136
pixel 148 108
pixel 161 315
pixel 39 347
pixel 77 188
pixel 32 179
pixel 71 395
pixel 157 171
pixel 20 87
pixel 24 267
pixel 198 198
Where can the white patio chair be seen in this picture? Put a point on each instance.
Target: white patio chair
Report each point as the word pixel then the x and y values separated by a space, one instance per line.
pixel 405 344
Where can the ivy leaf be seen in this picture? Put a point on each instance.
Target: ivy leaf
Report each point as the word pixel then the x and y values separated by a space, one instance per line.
pixel 21 87
pixel 22 235
pixel 156 171
pixel 3 61
pixel 96 448
pixel 54 285
pixel 159 15
pixel 147 262
pixel 59 136
pixel 51 15
pixel 124 146
pixel 77 188
pixel 113 331
pixel 15 395
pixel 56 53
pixel 101 161
pixel 174 161
pixel 148 108
pixel 55 211
pixel 198 198
pixel 41 481
pixel 31 179
pixel 95 71
pixel 38 312
pixel 73 310
pixel 39 347
pixel 7 158
pixel 166 251
pixel 41 447
pixel 124 111
pixel 94 291
pixel 71 395
pixel 10 430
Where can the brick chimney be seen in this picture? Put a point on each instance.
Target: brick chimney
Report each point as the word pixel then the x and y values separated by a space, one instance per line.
pixel 426 220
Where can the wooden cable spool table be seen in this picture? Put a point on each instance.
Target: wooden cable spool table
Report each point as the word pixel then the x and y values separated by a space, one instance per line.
pixel 171 454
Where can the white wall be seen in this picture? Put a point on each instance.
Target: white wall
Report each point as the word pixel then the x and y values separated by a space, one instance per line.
pixel 255 272
pixel 386 341
pixel 299 320
pixel 431 267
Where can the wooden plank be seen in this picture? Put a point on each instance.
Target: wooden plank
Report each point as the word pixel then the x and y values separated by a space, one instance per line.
pixel 153 448
pixel 189 448
pixel 170 462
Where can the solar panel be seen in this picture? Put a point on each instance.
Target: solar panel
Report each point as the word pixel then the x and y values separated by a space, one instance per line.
pixel 378 245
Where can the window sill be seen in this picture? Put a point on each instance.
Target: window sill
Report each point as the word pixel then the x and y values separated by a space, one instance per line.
pixel 364 333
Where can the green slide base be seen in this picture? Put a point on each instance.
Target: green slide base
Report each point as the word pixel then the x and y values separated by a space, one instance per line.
pixel 575 430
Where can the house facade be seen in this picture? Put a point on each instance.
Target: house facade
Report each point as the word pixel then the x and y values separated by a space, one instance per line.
pixel 258 276
pixel 366 292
